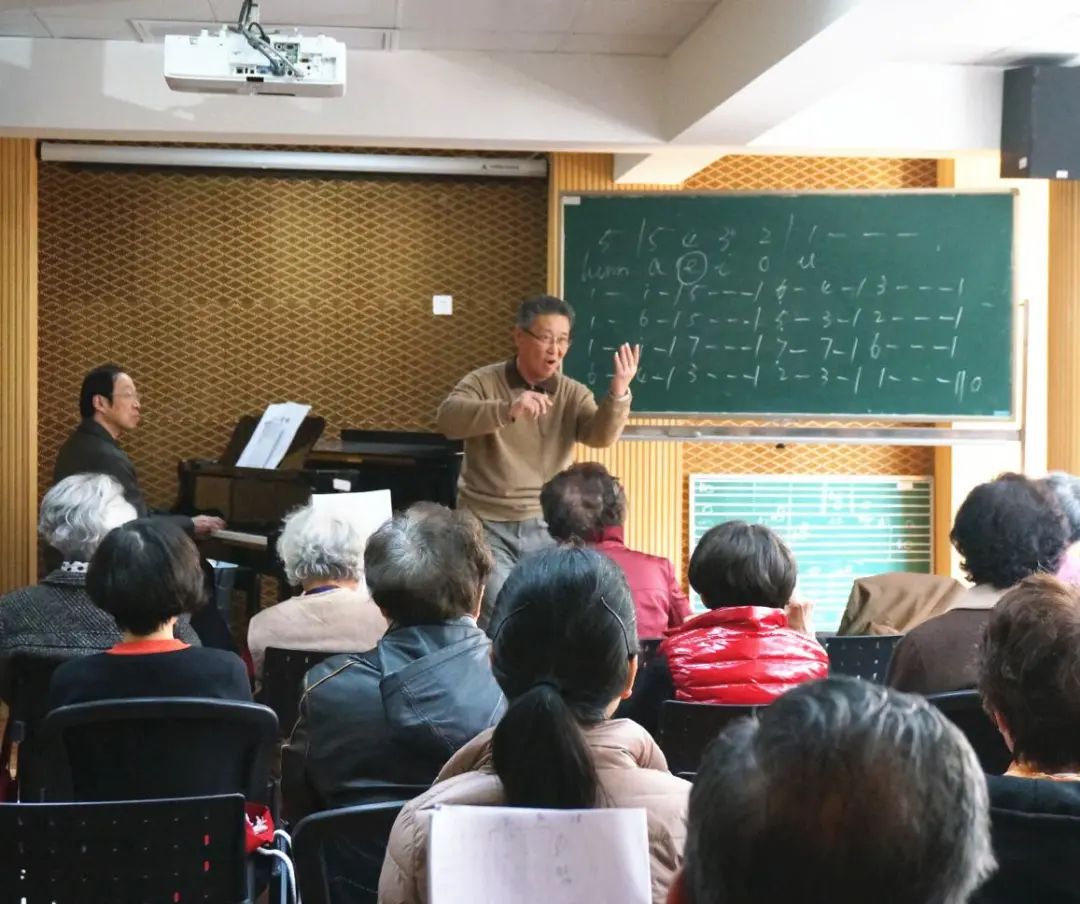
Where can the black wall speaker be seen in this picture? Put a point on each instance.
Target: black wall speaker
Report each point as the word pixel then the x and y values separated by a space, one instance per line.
pixel 1040 123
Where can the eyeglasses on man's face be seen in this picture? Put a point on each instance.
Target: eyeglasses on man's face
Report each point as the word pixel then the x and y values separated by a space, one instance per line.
pixel 550 340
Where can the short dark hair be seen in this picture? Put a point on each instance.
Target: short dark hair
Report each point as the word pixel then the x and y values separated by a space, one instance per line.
pixel 1007 529
pixel 538 306
pixel 564 634
pixel 1030 671
pixel 145 572
pixel 99 382
pixel 740 564
pixel 427 564
pixel 870 794
pixel 1066 490
pixel 581 501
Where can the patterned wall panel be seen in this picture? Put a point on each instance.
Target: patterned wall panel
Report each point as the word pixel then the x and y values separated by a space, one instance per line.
pixel 660 486
pixel 745 173
pixel 223 291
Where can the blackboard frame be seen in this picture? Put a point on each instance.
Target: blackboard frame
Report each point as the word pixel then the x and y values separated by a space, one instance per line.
pixel 1018 330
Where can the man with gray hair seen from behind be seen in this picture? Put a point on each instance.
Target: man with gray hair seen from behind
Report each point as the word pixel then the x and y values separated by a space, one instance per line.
pixel 520 420
pixel 323 554
pixel 840 792
pixel 379 725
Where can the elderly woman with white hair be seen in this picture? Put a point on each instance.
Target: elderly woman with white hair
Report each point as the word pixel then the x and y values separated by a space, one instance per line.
pixel 323 554
pixel 56 619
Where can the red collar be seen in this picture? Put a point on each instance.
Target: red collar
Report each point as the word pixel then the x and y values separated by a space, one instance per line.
pixel 141 647
pixel 746 617
pixel 613 534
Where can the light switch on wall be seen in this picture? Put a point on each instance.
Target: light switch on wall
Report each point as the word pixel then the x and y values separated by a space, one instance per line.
pixel 442 304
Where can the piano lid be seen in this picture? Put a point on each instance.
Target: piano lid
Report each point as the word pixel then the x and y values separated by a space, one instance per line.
pixel 411 444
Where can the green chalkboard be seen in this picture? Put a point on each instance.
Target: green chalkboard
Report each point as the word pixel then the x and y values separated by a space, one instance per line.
pixel 895 305
pixel 839 528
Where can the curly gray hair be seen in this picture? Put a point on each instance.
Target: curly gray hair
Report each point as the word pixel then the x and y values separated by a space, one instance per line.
pixel 79 511
pixel 319 545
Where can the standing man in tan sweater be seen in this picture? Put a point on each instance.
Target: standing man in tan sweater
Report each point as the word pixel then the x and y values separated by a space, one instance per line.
pixel 520 419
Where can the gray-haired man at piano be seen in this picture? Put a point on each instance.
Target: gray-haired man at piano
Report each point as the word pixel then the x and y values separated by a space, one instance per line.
pixel 520 419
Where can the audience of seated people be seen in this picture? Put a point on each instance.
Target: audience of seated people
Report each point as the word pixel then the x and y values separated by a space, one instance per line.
pixel 57 619
pixel 146 574
pixel 1066 490
pixel 323 554
pixel 373 722
pixel 1005 530
pixel 753 645
pixel 565 652
pixel 1029 680
pixel 586 504
pixel 840 792
pixel 860 792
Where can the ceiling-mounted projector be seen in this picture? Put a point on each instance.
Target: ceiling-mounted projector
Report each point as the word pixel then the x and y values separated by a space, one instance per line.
pixel 245 59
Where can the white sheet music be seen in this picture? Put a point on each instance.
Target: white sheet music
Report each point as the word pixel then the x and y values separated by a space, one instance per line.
pixel 368 511
pixel 273 435
pixel 510 855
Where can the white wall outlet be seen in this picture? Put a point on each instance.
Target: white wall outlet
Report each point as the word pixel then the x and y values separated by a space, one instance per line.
pixel 442 304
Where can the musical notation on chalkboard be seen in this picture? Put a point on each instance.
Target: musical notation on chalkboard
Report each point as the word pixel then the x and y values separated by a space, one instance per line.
pixel 839 528
pixel 830 304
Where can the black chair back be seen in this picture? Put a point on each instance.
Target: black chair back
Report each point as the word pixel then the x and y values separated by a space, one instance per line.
pixel 339 853
pixel 865 656
pixel 282 682
pixel 148 850
pixel 964 709
pixel 1036 855
pixel 162 747
pixel 686 729
pixel 28 699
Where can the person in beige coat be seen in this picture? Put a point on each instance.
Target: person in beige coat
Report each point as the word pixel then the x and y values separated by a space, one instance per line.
pixel 564 652
pixel 323 554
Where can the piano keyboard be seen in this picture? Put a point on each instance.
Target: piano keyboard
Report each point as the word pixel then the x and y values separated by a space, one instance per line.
pixel 238 538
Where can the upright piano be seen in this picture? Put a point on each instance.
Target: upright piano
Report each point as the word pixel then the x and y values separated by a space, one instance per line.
pixel 413 466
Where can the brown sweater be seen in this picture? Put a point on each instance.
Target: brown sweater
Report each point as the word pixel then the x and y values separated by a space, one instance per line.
pixel 506 461
pixel 940 655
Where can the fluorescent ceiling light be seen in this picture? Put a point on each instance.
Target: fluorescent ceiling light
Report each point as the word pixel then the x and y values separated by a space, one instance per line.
pixel 319 161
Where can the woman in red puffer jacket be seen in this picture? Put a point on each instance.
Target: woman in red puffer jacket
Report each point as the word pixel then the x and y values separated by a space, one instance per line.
pixel 753 645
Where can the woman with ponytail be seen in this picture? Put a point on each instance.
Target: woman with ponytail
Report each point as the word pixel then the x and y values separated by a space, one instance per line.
pixel 564 651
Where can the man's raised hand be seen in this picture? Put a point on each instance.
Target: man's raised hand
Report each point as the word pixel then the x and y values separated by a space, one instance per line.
pixel 627 359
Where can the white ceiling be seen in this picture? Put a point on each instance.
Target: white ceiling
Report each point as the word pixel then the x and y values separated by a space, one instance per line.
pixel 635 27
pixel 666 85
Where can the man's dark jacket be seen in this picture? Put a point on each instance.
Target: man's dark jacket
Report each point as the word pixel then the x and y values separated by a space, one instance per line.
pixel 373 722
pixel 91 449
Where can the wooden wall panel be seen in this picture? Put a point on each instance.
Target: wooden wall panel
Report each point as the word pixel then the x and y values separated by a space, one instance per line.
pixel 1063 422
pixel 18 362
pixel 655 473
